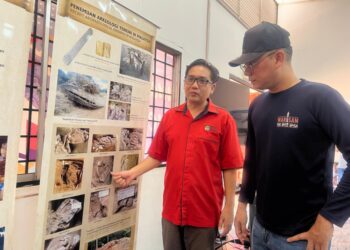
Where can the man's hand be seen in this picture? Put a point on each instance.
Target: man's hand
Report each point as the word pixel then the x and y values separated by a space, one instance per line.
pixel 123 178
pixel 319 235
pixel 225 222
pixel 241 222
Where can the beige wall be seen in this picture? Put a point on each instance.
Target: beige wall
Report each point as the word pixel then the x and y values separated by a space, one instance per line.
pixel 320 35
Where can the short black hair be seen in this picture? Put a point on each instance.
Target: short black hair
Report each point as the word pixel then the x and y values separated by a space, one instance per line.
pixel 214 72
pixel 289 53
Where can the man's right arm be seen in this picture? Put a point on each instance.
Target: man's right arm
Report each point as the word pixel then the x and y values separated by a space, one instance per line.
pixel 124 178
pixel 156 154
pixel 248 189
pixel 240 222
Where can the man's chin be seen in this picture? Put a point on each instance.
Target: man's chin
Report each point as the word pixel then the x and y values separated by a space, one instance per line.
pixel 194 100
pixel 257 86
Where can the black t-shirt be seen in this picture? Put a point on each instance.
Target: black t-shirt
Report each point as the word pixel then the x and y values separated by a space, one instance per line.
pixel 289 157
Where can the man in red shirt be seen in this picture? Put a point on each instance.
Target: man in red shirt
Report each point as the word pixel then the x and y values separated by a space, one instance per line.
pixel 199 142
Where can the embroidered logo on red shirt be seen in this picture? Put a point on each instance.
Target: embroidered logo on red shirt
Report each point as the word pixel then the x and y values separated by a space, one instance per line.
pixel 209 128
pixel 287 121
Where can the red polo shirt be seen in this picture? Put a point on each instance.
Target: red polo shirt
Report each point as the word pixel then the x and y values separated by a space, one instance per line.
pixel 196 152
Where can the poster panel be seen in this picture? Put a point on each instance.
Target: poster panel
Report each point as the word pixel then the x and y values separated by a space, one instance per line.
pixel 15 27
pixel 96 122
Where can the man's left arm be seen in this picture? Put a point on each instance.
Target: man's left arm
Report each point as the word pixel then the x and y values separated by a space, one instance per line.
pixel 334 117
pixel 318 236
pixel 230 160
pixel 226 217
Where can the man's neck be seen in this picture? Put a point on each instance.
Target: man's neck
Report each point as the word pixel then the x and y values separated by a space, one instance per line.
pixel 285 81
pixel 196 108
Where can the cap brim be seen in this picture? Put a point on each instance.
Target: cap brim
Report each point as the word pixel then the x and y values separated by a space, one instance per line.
pixel 245 58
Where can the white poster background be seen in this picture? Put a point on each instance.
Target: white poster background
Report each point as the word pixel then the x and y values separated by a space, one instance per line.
pixel 86 63
pixel 15 29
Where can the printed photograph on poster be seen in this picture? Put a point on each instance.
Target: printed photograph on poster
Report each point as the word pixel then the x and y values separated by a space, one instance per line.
pixel 129 161
pixel 73 52
pixel 130 139
pixel 101 171
pixel 120 240
pixel 118 111
pixel 103 143
pixel 135 63
pixel 2 237
pixel 71 140
pixel 103 49
pixel 68 175
pixel 120 92
pixel 64 214
pixel 98 205
pixel 3 151
pixel 69 241
pixel 125 198
pixel 80 95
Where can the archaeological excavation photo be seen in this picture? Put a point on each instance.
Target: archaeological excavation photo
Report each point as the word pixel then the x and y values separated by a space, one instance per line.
pixel 68 175
pixel 80 95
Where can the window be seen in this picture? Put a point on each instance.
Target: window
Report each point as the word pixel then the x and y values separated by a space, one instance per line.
pixel 165 88
pixel 35 101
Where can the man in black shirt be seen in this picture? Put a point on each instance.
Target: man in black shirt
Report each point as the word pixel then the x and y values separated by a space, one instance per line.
pixel 292 131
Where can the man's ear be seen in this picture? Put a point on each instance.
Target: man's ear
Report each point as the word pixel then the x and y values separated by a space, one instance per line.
pixel 280 57
pixel 213 88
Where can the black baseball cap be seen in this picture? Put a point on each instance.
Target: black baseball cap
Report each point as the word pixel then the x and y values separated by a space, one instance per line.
pixel 260 39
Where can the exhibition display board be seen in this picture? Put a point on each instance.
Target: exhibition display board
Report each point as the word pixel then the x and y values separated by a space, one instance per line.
pixel 95 124
pixel 15 27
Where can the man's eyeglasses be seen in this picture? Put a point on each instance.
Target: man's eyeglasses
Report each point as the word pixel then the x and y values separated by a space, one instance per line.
pixel 250 66
pixel 189 80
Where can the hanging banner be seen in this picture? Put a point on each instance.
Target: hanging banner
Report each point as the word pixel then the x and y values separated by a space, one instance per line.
pixel 96 123
pixel 15 27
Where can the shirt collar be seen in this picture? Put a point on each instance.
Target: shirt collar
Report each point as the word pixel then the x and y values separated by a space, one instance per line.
pixel 210 108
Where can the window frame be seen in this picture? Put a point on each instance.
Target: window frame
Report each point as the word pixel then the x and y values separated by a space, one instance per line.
pixel 176 86
pixel 34 178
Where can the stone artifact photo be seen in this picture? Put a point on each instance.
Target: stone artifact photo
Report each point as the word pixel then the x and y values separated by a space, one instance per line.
pixel 71 140
pixel 68 241
pixel 101 171
pixel 103 143
pixel 98 205
pixel 120 92
pixel 129 161
pixel 64 214
pixel 118 111
pixel 120 240
pixel 130 139
pixel 125 198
